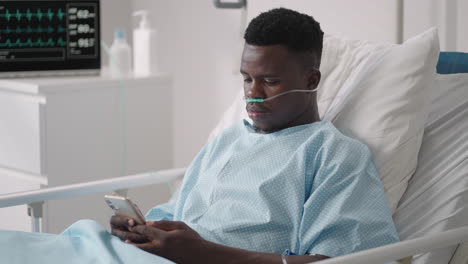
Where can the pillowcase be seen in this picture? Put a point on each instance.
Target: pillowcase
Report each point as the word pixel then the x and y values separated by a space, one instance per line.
pixel 388 107
pixel 378 93
pixel 343 60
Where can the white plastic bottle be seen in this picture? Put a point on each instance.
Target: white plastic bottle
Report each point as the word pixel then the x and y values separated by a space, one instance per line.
pixel 120 58
pixel 144 46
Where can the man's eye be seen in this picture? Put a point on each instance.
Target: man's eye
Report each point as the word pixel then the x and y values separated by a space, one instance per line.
pixel 271 82
pixel 247 80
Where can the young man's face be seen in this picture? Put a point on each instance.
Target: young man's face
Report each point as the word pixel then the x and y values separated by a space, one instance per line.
pixel 271 70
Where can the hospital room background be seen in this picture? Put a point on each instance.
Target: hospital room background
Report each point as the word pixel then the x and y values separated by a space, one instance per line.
pixel 61 130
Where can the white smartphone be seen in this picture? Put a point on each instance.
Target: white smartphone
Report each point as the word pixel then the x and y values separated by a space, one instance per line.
pixel 125 207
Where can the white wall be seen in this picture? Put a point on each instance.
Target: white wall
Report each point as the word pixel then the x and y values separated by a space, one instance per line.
pixel 357 19
pixel 448 15
pixel 114 14
pixel 197 45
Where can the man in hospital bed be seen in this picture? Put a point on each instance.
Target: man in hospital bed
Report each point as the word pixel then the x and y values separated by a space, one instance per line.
pixel 288 181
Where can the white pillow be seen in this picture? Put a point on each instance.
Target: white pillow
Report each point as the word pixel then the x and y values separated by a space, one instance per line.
pixel 378 93
pixel 342 61
pixel 388 107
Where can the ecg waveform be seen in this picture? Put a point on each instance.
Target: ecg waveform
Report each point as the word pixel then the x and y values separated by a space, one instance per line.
pixel 39 14
pixel 34 43
pixel 29 29
pixel 33 27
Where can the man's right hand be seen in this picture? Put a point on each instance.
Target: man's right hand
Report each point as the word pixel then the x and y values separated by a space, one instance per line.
pixel 120 228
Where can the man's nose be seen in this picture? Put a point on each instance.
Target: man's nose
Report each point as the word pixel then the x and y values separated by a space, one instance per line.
pixel 255 90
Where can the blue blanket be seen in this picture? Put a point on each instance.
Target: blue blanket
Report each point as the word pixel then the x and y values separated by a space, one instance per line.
pixel 83 242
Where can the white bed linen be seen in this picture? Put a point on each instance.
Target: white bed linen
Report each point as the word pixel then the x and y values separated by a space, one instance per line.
pixel 437 195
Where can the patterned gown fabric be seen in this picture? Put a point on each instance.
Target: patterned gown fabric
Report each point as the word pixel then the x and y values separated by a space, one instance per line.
pixel 307 188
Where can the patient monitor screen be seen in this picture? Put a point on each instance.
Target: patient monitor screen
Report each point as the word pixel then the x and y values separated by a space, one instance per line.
pixel 49 35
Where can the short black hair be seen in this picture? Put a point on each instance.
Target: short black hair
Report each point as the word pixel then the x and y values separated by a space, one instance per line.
pixel 298 32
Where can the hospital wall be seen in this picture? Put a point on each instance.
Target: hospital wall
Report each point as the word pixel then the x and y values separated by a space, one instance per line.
pixel 449 16
pixel 197 45
pixel 114 14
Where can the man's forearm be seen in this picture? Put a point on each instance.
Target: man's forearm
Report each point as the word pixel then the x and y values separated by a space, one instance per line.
pixel 209 252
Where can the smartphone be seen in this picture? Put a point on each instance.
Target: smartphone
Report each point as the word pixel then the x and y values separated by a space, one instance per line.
pixel 125 207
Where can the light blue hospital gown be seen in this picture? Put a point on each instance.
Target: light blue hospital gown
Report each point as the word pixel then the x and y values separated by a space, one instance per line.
pixel 307 188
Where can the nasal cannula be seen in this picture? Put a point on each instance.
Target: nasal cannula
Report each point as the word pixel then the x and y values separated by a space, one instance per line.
pixel 260 100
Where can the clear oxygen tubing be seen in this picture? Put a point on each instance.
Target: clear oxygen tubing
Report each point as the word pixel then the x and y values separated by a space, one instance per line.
pixel 260 100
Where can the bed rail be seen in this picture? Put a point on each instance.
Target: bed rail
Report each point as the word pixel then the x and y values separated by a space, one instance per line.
pixel 405 248
pixel 35 199
pixel 80 189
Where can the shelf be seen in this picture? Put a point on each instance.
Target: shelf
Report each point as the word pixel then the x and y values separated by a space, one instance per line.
pixel 66 84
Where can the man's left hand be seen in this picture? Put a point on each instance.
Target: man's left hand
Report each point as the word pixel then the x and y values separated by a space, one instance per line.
pixel 176 241
pixel 169 239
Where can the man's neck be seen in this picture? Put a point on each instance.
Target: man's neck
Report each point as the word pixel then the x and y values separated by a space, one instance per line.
pixel 308 116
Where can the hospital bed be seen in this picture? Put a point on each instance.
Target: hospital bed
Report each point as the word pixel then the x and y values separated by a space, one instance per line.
pixel 431 217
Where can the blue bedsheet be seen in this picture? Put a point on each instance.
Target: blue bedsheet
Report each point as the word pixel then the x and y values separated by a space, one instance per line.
pixel 83 242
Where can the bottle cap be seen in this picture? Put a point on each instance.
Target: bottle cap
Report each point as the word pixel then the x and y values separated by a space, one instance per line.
pixel 144 22
pixel 119 33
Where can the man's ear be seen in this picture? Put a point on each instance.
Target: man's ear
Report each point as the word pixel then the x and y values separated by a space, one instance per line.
pixel 313 78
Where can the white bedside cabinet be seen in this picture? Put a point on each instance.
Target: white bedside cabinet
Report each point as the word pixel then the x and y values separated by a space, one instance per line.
pixel 58 131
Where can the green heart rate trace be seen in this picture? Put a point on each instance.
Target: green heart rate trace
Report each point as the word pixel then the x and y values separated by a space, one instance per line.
pixel 29 15
pixel 29 29
pixel 33 43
